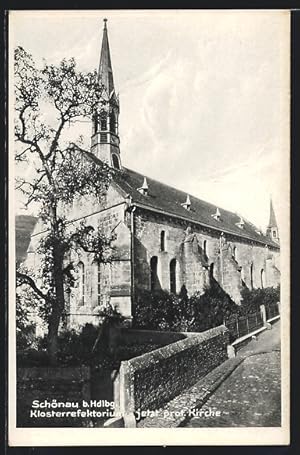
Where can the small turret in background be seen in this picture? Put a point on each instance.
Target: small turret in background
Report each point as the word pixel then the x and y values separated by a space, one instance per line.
pixel 272 229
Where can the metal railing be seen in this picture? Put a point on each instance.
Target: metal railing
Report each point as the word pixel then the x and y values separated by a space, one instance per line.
pixel 243 325
pixel 272 310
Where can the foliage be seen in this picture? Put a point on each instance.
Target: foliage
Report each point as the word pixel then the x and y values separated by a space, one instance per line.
pixel 253 298
pixel 155 310
pixel 47 102
pixel 165 311
pixel 110 314
pixel 25 327
pixel 88 345
pixel 74 348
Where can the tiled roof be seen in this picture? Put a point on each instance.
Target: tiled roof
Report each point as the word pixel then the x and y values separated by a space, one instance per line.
pixel 162 197
pixel 165 198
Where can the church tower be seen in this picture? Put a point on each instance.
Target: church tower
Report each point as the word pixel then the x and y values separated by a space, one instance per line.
pixel 105 135
pixel 272 229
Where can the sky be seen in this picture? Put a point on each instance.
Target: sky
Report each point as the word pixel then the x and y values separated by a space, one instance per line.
pixel 204 95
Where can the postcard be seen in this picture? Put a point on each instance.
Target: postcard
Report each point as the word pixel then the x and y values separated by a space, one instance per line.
pixel 149 162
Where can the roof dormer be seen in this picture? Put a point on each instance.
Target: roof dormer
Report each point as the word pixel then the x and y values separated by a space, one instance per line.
pixel 241 223
pixel 217 215
pixel 187 203
pixel 144 188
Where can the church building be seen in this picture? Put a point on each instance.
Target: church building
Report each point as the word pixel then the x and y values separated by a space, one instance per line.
pixel 165 238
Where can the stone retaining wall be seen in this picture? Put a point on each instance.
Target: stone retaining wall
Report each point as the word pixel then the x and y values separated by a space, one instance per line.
pixel 63 384
pixel 154 378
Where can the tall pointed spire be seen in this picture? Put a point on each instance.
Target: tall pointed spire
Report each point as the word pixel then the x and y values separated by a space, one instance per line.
pixel 105 72
pixel 105 133
pixel 272 220
pixel 272 229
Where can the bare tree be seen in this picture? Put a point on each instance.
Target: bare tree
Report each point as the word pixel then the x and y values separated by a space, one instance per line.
pixel 62 171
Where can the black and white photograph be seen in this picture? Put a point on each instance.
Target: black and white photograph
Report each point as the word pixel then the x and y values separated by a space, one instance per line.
pixel 149 160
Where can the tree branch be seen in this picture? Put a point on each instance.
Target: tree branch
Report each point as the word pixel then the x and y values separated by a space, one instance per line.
pixel 68 269
pixel 56 138
pixel 25 279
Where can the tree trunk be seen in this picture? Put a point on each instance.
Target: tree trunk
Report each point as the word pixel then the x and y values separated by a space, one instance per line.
pixel 57 306
pixel 53 336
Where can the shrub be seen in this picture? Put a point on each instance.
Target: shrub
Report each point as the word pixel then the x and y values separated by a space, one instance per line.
pixel 74 347
pixel 25 328
pixel 253 298
pixel 86 346
pixel 165 311
pixel 25 337
pixel 151 309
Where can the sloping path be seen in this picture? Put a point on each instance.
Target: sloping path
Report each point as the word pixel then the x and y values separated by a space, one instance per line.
pixel 250 396
pixel 244 391
pixel 269 340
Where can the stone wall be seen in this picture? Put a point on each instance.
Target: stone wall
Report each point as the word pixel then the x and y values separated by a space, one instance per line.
pixel 201 255
pixel 69 384
pixel 114 278
pixel 150 380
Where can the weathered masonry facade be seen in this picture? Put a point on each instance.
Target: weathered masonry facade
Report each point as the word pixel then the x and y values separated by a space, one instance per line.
pixel 165 239
pixel 154 251
pixel 192 255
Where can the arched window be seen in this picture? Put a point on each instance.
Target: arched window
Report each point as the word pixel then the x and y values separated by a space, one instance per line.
pixel 153 273
pixel 234 252
pixel 81 278
pixel 103 121
pixel 163 241
pixel 262 278
pixel 173 276
pixel 251 276
pixel 97 281
pixel 116 162
pixel 243 277
pixel 211 271
pixel 95 119
pixel 98 284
